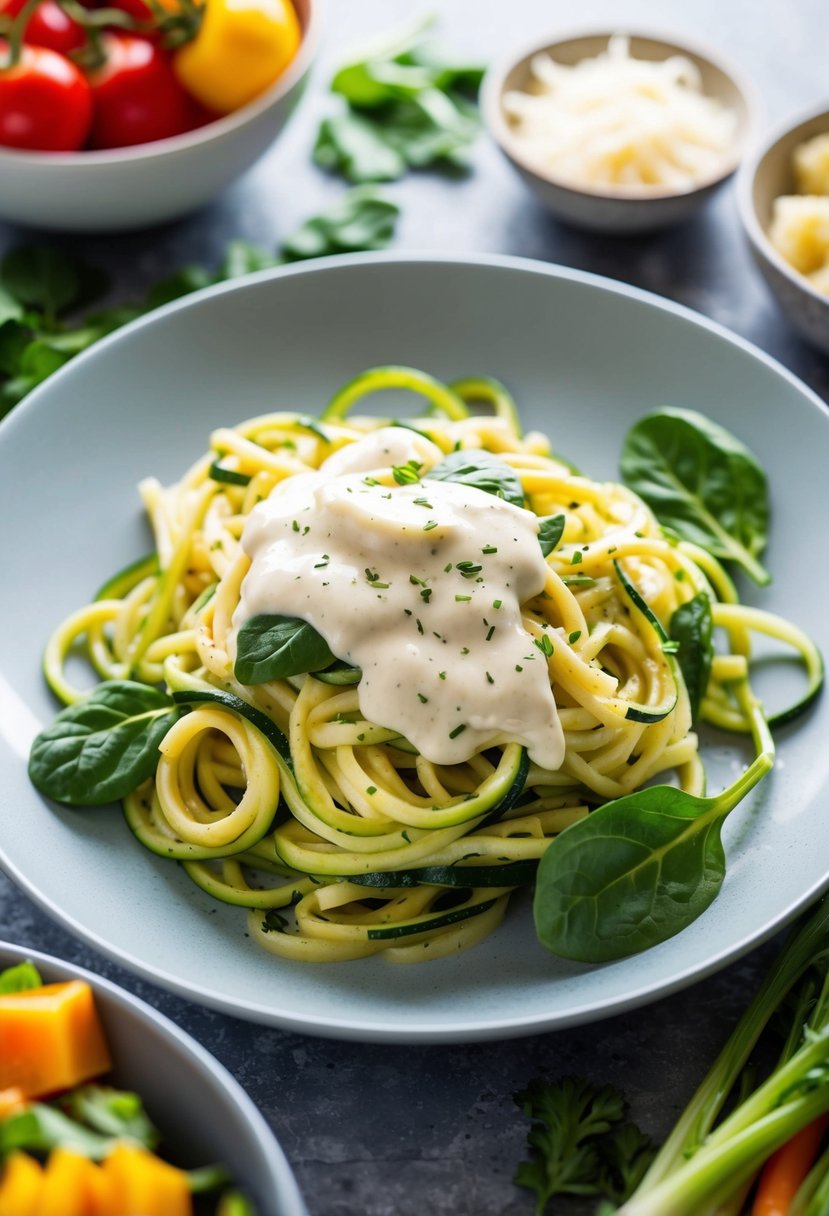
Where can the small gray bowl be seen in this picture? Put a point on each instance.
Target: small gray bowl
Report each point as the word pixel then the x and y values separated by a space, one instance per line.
pixel 615 211
pixel 766 176
pixel 201 1110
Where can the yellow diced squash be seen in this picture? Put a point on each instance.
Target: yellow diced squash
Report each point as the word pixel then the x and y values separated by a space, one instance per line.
pixel 51 1039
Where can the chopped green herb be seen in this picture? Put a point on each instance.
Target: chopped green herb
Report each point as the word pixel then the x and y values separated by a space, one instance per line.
pixel 468 569
pixel 453 734
pixel 576 558
pixel 574 636
pixel 462 599
pixel 489 678
pixel 544 644
pixel 371 789
pixel 407 474
pixel 431 524
pixel 421 698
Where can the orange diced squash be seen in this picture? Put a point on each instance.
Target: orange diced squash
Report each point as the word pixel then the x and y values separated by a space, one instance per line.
pixel 72 1186
pixel 11 1101
pixel 51 1039
pixel 144 1185
pixel 20 1185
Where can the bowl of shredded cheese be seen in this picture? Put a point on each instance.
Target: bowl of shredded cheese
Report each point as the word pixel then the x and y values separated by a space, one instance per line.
pixel 784 206
pixel 618 133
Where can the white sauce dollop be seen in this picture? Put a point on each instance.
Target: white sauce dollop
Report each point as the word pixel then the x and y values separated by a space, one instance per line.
pixel 421 587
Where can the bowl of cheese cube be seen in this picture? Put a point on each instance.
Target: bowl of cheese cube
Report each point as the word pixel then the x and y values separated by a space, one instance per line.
pixel 783 194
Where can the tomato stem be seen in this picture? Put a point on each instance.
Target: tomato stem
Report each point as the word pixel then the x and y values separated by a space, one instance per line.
pixel 16 32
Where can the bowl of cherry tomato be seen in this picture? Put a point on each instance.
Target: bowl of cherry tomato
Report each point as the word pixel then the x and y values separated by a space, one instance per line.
pixel 141 111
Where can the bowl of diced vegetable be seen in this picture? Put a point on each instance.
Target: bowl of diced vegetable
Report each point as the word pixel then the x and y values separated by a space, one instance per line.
pixel 137 113
pixel 783 195
pixel 108 1109
pixel 618 132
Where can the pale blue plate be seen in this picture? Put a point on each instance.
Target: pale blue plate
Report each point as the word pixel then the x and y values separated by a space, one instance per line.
pixel 585 357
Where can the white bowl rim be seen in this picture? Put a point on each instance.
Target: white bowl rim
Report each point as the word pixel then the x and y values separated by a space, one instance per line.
pixel 745 200
pixel 267 1142
pixel 215 129
pixel 492 90
pixel 330 1025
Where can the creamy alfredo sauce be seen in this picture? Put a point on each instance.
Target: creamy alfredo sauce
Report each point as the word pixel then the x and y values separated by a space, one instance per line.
pixel 418 585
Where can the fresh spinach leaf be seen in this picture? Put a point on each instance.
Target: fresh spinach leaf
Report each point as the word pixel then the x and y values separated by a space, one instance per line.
pixel 21 978
pixel 692 626
pixel 641 868
pixel 550 532
pixel 355 80
pixel 102 748
pixel 481 470
pixel 112 1112
pixel 404 109
pixel 14 338
pixel 241 258
pixel 361 219
pixel 40 1128
pixel 40 276
pixel 275 647
pixel 355 147
pixel 10 308
pixel 699 480
pixel 430 130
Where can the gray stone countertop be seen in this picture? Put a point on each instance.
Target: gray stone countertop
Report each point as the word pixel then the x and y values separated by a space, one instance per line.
pixel 388 1130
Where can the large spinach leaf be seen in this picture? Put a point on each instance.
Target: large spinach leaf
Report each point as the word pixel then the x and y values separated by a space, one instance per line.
pixel 700 481
pixel 101 749
pixel 481 470
pixel 641 868
pixel 272 647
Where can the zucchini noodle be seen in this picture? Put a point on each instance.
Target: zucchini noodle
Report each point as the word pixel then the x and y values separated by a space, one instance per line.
pixel 337 835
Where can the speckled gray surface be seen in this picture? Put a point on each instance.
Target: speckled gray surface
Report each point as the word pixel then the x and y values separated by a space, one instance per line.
pixel 389 1131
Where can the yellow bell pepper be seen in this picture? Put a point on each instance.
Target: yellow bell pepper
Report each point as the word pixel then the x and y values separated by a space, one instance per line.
pixel 242 47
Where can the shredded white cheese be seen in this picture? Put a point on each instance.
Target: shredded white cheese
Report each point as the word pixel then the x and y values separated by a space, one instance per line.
pixel 620 123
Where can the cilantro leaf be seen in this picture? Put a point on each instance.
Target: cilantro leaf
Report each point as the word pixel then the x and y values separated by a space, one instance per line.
pixel 579 1141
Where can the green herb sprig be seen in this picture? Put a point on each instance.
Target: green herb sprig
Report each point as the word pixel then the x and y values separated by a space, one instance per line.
pixel 405 107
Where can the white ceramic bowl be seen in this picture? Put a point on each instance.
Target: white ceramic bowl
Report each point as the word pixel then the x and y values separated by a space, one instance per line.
pixel 766 176
pixel 203 1114
pixel 608 210
pixel 123 188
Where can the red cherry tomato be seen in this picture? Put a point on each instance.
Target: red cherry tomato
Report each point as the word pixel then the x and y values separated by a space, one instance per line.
pixel 45 102
pixel 136 95
pixel 48 26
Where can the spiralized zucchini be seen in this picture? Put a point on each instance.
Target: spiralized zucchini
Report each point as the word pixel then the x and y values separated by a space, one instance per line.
pixel 260 790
